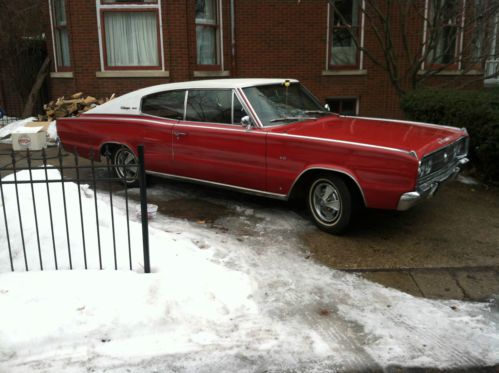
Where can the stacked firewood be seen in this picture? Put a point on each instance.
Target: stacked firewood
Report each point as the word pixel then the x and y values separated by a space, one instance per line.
pixel 74 106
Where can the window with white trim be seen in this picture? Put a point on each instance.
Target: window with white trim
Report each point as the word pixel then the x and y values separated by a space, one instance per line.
pixel 60 33
pixel 444 17
pixel 345 30
pixel 479 31
pixel 207 32
pixel 492 63
pixel 130 34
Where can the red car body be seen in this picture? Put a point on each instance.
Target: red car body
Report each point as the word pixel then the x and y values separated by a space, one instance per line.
pixel 382 158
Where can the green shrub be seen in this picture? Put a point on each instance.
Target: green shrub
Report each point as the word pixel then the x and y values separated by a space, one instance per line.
pixel 478 111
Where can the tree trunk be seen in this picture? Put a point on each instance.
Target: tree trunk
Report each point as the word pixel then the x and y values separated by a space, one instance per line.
pixel 40 78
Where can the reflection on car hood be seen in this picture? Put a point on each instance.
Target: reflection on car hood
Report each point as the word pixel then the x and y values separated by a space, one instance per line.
pixel 409 136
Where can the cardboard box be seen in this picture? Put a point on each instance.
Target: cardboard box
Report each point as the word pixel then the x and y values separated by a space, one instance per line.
pixel 44 125
pixel 32 138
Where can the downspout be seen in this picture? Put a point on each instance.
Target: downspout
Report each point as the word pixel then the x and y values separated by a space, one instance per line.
pixel 233 38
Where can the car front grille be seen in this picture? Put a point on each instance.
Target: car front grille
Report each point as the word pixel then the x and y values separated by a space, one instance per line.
pixel 444 160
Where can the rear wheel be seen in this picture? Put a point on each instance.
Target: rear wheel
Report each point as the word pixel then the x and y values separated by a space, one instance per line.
pixel 126 166
pixel 330 203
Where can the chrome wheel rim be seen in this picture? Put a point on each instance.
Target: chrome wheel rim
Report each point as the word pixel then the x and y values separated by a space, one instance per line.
pixel 126 165
pixel 326 202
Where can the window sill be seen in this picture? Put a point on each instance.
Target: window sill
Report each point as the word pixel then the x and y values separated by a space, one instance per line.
pixel 453 73
pixel 491 82
pixel 62 75
pixel 210 74
pixel 132 74
pixel 343 72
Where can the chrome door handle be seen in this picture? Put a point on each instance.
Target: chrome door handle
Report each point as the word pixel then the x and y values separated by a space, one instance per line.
pixel 178 135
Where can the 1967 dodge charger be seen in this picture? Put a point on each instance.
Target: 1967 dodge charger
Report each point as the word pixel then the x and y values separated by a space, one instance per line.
pixel 271 137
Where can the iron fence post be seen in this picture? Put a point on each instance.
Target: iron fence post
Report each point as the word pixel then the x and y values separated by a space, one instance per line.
pixel 143 209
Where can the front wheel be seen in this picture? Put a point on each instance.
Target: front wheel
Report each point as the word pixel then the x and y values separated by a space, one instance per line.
pixel 126 166
pixel 330 203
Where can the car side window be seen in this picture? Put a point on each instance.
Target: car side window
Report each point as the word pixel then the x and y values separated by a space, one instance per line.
pixel 238 111
pixel 168 104
pixel 209 105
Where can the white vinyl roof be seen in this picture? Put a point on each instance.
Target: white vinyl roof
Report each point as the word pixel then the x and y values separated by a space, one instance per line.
pixel 130 102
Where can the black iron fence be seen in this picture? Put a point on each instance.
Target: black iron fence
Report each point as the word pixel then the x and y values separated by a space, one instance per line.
pixel 4 120
pixel 61 211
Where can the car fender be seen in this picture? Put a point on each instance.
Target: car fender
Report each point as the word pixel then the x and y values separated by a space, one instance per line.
pixel 121 143
pixel 330 168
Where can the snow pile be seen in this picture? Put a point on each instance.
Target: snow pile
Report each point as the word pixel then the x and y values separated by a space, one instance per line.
pixel 62 240
pixel 7 130
pixel 52 131
pixel 215 304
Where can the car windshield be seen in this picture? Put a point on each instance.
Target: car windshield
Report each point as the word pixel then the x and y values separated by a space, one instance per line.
pixel 283 103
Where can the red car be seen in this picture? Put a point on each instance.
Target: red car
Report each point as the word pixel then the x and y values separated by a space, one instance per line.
pixel 272 137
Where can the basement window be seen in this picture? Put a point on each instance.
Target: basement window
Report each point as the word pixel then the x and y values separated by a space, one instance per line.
pixel 343 105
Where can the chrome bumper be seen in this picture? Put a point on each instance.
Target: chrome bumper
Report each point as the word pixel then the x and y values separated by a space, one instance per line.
pixel 409 199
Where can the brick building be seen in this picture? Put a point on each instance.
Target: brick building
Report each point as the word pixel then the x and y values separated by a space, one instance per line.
pixel 115 46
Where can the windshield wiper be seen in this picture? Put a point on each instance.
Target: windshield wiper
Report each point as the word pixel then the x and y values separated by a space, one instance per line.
pixel 323 112
pixel 289 119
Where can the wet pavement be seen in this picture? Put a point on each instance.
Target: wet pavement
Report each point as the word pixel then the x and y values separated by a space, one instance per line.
pixel 446 248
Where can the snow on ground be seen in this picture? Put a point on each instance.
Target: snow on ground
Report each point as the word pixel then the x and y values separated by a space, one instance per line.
pixel 212 303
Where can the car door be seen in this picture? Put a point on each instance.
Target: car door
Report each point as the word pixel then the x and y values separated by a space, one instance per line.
pixel 211 145
pixel 160 112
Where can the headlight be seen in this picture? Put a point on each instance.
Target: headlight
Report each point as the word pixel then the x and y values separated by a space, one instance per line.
pixel 425 167
pixel 462 147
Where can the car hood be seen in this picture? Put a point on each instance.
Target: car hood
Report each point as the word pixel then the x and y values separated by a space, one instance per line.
pixel 408 136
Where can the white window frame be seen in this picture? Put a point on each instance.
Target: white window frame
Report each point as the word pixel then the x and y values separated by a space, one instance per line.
pixel 100 7
pixel 220 36
pixel 328 36
pixel 54 47
pixel 459 39
pixel 492 63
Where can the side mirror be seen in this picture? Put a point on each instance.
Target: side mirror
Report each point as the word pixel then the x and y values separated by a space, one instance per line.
pixel 246 122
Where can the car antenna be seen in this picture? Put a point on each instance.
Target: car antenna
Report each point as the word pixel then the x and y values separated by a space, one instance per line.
pixel 286 84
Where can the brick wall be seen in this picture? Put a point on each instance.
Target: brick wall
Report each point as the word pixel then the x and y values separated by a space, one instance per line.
pixel 274 38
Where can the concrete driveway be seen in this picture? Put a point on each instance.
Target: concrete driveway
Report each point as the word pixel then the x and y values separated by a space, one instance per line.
pixel 445 248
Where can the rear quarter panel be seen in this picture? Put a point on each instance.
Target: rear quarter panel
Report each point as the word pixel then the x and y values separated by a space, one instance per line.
pixel 87 133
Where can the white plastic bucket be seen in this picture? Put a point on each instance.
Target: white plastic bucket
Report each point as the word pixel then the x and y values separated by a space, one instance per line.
pixel 151 211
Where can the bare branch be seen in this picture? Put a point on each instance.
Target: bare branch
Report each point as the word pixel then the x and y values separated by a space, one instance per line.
pixel 408 36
